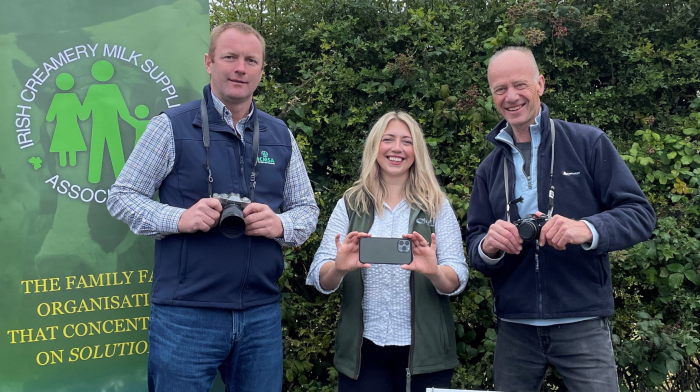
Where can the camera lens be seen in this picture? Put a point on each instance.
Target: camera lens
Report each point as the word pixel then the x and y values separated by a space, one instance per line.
pixel 528 231
pixel 231 223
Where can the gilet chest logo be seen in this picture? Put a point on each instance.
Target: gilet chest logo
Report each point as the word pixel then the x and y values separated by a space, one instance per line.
pixel 423 221
pixel 265 158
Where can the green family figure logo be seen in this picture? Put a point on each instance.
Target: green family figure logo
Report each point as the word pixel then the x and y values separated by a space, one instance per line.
pixel 103 102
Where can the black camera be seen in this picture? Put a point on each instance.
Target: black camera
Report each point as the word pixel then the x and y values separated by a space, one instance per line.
pixel 529 227
pixel 231 221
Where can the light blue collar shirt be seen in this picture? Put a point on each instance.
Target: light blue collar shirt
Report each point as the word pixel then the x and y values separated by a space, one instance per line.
pixel 525 183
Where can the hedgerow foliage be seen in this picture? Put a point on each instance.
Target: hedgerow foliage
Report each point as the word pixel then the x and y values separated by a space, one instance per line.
pixel 631 68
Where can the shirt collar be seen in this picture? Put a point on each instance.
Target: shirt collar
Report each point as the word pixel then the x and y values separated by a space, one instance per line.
pixel 535 130
pixel 226 114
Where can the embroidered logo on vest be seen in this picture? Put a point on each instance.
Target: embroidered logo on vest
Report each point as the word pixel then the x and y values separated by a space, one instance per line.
pixel 265 159
pixel 566 173
pixel 423 221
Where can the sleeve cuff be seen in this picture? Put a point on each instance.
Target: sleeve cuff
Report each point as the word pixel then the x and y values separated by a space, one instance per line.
pixel 462 274
pixel 487 259
pixel 170 217
pixel 316 280
pixel 287 239
pixel 594 241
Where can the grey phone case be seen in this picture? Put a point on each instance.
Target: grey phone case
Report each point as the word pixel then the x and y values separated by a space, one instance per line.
pixel 382 250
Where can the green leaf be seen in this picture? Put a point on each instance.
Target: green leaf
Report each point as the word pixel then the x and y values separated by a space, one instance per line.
pixel 290 375
pixel 675 267
pixel 643 315
pixel 675 280
pixel 691 349
pixel 461 347
pixel 671 154
pixel 491 334
pixel 444 91
pixel 692 276
pixel 686 160
pixel 677 356
pixel 672 366
pixel 656 378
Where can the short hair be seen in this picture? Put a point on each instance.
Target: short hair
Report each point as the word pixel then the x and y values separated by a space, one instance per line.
pixel 522 49
pixel 238 26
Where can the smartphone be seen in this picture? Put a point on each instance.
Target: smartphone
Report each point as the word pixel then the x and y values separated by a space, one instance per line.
pixel 382 250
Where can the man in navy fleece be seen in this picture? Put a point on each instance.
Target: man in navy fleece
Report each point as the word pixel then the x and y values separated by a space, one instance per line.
pixel 552 294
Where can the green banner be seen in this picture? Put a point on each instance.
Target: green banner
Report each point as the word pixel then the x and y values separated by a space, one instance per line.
pixel 79 81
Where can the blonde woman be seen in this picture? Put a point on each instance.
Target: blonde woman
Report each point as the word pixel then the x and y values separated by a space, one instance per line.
pixel 396 331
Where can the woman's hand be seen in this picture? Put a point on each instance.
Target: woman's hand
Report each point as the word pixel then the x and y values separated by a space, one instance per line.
pixel 443 277
pixel 424 255
pixel 348 256
pixel 346 259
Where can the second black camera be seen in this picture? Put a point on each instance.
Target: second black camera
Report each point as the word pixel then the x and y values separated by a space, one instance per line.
pixel 529 226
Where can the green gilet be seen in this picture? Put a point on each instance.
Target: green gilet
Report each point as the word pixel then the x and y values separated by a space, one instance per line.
pixel 433 345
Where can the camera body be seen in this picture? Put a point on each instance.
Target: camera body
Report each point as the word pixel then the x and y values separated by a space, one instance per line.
pixel 529 226
pixel 231 221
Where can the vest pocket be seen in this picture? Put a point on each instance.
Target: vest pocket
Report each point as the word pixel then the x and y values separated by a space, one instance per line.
pixel 183 258
pixel 443 334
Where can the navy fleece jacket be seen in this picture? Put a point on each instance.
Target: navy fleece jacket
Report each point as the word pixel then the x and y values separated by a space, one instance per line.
pixel 591 182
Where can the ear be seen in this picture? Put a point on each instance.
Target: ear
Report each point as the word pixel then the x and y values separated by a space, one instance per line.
pixel 207 62
pixel 540 85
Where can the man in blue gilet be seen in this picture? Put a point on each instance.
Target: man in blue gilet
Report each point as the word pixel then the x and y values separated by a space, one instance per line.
pixel 548 204
pixel 215 295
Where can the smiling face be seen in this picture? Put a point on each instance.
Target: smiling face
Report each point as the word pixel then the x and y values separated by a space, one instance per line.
pixel 395 156
pixel 236 67
pixel 516 87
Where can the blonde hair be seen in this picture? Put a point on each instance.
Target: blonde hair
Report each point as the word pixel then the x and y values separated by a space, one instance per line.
pixel 421 189
pixel 238 26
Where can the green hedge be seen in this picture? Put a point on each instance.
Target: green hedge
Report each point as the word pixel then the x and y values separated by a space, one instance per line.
pixel 631 68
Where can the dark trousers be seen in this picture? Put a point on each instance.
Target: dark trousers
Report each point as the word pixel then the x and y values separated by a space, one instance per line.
pixel 582 353
pixel 383 369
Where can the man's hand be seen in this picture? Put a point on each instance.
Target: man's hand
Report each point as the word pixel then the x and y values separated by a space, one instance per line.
pixel 347 257
pixel 261 221
pixel 502 236
pixel 560 231
pixel 200 217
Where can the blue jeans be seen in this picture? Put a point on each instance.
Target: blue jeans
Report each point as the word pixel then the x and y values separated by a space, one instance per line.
pixel 188 346
pixel 582 353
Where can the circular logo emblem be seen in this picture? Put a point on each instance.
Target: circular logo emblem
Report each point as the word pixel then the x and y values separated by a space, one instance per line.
pixel 81 112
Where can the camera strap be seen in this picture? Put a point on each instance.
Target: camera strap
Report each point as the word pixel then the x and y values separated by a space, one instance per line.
pixel 550 207
pixel 206 139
